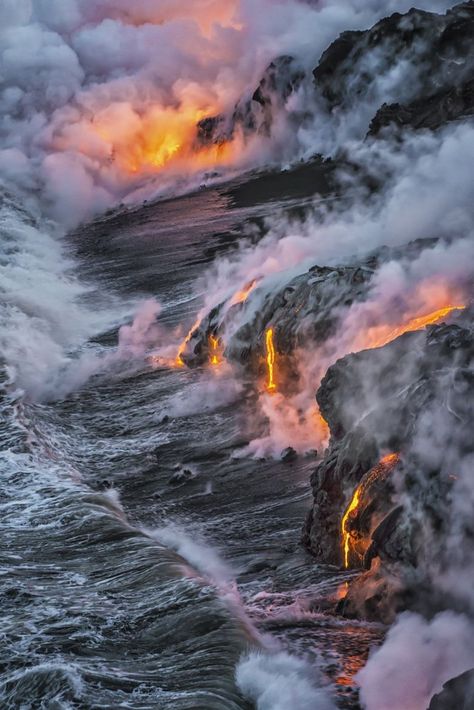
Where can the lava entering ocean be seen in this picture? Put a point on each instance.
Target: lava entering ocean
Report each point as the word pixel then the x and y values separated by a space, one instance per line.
pixel 383 467
pixel 214 350
pixel 270 358
pixel 179 356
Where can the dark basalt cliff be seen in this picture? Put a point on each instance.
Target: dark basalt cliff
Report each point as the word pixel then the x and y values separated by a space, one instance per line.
pixel 393 399
pixel 409 72
pixel 412 70
pixel 420 65
pixel 305 310
pixel 255 113
pixel 457 694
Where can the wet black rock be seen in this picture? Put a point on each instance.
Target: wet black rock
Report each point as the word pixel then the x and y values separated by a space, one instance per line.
pixel 428 112
pixel 388 400
pixel 417 66
pixel 255 113
pixel 289 455
pixel 306 309
pixel 457 694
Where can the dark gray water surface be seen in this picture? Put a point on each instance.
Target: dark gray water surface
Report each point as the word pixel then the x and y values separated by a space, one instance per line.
pixel 121 585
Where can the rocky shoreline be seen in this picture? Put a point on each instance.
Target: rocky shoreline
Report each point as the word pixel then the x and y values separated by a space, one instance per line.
pixel 376 402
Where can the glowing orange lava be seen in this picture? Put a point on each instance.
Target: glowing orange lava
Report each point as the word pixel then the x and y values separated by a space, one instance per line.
pixel 322 425
pixel 271 386
pixel 179 359
pixel 214 350
pixel 160 137
pixel 385 463
pixel 378 336
pixel 353 505
pixel 389 459
pixel 241 296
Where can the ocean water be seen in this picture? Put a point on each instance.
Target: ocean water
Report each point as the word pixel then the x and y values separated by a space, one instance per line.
pixel 145 563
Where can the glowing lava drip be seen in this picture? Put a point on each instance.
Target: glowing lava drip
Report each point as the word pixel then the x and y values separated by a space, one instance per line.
pixel 241 296
pixel 271 386
pixel 384 463
pixel 179 357
pixel 214 354
pixel 346 537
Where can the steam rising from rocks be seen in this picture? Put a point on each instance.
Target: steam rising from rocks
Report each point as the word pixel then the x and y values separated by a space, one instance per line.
pixel 100 98
pixel 99 104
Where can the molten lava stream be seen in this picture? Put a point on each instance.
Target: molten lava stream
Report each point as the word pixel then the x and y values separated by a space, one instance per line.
pixel 179 359
pixel 385 463
pixel 214 350
pixel 270 358
pixel 382 335
pixel 241 296
pixel 346 536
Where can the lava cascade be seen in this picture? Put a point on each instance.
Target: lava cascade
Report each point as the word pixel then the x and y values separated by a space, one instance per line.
pixel 385 464
pixel 270 359
pixel 378 336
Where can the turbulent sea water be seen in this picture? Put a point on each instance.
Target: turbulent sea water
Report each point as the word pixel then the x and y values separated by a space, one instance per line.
pixel 125 583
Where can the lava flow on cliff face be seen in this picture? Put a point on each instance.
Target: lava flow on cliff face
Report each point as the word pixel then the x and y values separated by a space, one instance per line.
pixel 242 295
pixel 359 521
pixel 215 355
pixel 377 336
pixel 270 358
pixel 179 356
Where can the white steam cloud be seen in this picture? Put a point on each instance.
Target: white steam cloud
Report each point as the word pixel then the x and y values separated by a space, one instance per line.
pixel 415 661
pixel 99 98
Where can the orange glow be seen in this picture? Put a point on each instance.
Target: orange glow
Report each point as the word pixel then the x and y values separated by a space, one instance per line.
pixel 159 361
pixel 271 386
pixel 342 590
pixel 163 136
pixel 322 425
pixel 179 359
pixel 214 350
pixel 378 336
pixel 353 505
pixel 208 15
pixel 242 296
pixel 387 461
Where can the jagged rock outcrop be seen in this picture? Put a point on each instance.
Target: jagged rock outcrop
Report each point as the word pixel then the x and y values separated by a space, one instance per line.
pixel 417 66
pixel 411 70
pixel 392 399
pixel 430 112
pixel 306 309
pixel 255 114
pixel 457 694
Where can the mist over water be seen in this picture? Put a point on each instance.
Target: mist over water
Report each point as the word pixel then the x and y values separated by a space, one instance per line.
pixel 151 528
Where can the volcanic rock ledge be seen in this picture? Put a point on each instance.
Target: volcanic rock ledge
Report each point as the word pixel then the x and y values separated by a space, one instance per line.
pixel 305 309
pixel 419 64
pixel 411 70
pixel 413 398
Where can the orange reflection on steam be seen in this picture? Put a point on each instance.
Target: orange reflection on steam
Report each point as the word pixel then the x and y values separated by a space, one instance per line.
pixel 241 296
pixel 160 136
pixel 271 386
